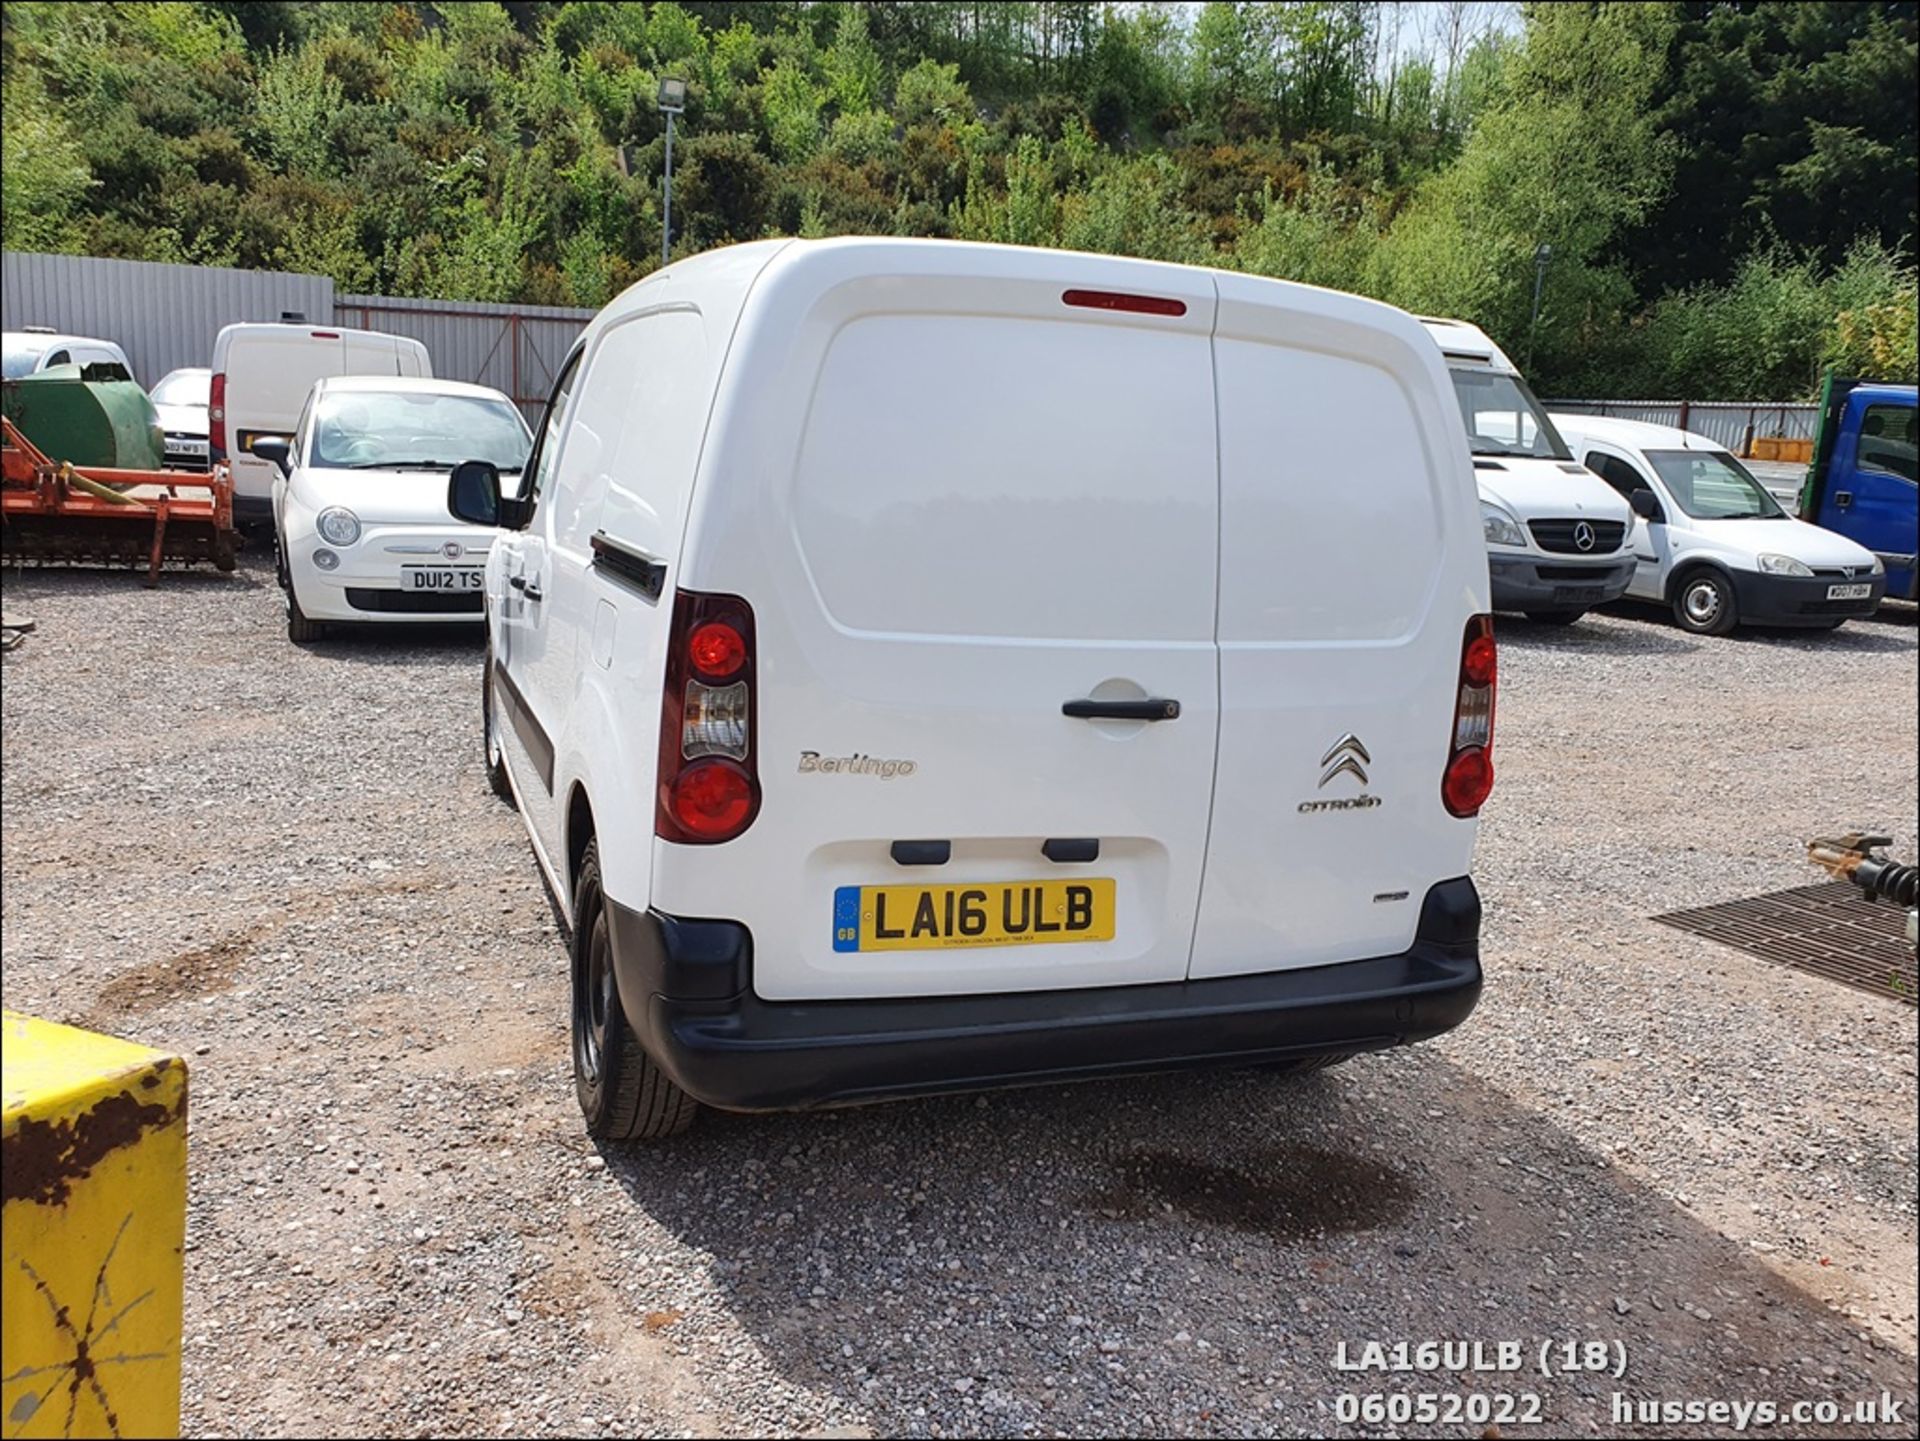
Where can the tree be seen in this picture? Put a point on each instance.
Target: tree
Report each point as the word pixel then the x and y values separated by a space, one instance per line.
pixel 1796 122
pixel 1568 156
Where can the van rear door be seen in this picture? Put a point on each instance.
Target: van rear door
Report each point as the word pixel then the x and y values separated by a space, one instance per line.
pixel 960 501
pixel 270 369
pixel 1350 558
pixel 366 353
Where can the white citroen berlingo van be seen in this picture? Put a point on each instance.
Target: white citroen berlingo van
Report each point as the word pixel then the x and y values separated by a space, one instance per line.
pixel 926 666
pixel 1556 534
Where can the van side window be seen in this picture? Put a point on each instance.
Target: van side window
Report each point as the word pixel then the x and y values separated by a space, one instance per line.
pixel 1887 440
pixel 1616 473
pixel 59 357
pixel 546 442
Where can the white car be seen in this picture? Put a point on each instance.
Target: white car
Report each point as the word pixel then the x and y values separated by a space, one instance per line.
pixel 181 398
pixel 892 634
pixel 360 502
pixel 1710 541
pixel 37 348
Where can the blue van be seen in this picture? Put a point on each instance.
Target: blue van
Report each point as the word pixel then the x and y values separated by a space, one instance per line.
pixel 1863 480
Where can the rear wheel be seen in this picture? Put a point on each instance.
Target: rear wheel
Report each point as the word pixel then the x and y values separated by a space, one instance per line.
pixel 497 780
pixel 623 1094
pixel 1555 617
pixel 1301 1065
pixel 1704 604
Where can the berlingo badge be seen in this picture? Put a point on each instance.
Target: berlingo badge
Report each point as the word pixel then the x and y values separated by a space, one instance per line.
pixel 812 762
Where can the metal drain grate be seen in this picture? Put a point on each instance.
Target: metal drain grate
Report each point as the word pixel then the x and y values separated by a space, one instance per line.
pixel 1829 930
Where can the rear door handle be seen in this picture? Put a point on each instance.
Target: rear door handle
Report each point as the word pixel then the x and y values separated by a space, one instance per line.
pixel 530 589
pixel 1151 709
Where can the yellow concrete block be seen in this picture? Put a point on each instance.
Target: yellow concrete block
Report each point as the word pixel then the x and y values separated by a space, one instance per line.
pixel 93 1154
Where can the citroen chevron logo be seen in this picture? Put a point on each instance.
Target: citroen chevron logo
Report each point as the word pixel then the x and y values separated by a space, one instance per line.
pixel 1347 756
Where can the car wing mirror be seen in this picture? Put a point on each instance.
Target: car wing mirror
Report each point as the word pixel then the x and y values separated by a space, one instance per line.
pixel 275 448
pixel 473 493
pixel 1646 505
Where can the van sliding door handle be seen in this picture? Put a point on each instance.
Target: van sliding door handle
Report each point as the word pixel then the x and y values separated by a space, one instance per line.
pixel 1151 709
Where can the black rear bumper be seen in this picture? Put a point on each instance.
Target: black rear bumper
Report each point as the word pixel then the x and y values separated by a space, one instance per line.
pixel 686 988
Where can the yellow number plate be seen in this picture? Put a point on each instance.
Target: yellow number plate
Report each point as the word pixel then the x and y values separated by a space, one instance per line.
pixel 981 913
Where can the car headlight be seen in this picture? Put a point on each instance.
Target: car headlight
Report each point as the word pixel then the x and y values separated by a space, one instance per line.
pixel 1878 567
pixel 1501 528
pixel 1783 565
pixel 338 525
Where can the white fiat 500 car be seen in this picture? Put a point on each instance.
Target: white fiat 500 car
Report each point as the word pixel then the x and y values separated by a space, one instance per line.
pixel 360 505
pixel 1710 541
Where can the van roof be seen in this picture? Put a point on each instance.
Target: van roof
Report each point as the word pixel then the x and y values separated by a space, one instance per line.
pixel 723 280
pixel 1633 434
pixel 296 329
pixel 1460 340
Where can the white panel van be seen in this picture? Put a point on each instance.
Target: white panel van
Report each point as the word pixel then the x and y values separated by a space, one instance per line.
pixel 262 372
pixel 1711 542
pixel 1556 534
pixel 925 666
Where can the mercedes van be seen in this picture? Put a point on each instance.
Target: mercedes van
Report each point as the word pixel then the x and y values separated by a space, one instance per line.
pixel 1556 534
pixel 923 667
pixel 262 371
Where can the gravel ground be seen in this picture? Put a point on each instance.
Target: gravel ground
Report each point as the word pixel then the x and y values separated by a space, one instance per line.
pixel 285 864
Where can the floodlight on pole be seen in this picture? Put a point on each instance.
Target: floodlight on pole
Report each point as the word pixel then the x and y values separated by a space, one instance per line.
pixel 1542 253
pixel 673 100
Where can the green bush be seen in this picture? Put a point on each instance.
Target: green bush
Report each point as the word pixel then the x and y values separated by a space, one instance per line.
pixel 493 151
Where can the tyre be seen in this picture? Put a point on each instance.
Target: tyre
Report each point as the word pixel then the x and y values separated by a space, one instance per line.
pixel 300 630
pixel 1555 617
pixel 496 760
pixel 1302 1065
pixel 1703 603
pixel 623 1094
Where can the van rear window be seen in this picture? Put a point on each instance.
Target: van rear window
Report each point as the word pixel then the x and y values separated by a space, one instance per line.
pixel 997 476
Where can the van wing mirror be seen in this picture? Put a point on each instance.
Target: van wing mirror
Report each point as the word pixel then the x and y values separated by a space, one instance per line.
pixel 1646 505
pixel 473 493
pixel 277 449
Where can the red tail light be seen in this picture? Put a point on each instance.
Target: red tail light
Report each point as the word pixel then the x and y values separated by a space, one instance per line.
pixel 1469 777
pixel 217 418
pixel 708 789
